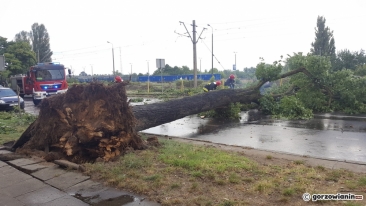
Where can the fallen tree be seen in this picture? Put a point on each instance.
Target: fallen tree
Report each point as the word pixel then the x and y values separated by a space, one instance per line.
pixel 87 122
pixel 95 120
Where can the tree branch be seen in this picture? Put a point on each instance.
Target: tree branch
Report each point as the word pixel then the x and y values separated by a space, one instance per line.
pixel 307 73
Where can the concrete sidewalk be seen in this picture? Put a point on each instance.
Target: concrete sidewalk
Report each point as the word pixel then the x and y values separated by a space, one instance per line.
pixel 32 181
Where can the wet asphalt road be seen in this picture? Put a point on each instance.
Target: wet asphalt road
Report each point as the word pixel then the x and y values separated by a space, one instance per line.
pixel 29 106
pixel 325 136
pixel 322 138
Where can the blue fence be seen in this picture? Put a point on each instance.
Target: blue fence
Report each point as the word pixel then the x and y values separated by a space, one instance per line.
pixel 172 78
pixel 156 78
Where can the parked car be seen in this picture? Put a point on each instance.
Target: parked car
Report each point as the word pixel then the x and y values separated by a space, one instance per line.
pixel 9 99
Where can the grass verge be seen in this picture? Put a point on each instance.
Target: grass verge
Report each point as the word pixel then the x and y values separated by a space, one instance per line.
pixel 13 124
pixel 186 174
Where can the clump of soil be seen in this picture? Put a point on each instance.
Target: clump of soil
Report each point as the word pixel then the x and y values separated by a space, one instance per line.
pixel 87 122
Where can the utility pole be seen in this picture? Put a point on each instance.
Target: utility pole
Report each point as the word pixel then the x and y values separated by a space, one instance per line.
pixel 148 77
pixel 235 59
pixel 114 73
pixel 194 41
pixel 211 49
pixel 120 59
pixel 194 53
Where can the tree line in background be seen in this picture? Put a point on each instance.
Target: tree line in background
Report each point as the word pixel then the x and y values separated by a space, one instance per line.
pixel 25 50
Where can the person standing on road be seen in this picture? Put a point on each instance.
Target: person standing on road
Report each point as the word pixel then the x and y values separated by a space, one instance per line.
pixel 230 82
pixel 211 86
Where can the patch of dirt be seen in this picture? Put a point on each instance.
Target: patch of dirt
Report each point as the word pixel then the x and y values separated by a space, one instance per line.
pixel 90 121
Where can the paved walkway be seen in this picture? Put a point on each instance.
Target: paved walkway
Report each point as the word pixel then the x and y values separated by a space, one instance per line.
pixel 36 182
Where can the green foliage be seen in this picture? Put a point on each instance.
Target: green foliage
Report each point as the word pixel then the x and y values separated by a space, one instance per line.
pixel 324 41
pixel 246 107
pixel 72 80
pixel 202 159
pixel 349 92
pixel 13 124
pixel 292 108
pixel 268 105
pixel 19 57
pixel 349 60
pixel 231 112
pixel 276 89
pixel 288 107
pixel 138 99
pixel 324 90
pixel 3 45
pixel 23 36
pixel 310 89
pixel 188 83
pixel 361 70
pixel 268 72
pixel 288 192
pixel 41 42
pixel 362 181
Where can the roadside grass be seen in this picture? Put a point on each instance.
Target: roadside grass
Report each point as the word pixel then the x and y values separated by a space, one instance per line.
pixel 138 99
pixel 13 124
pixel 186 174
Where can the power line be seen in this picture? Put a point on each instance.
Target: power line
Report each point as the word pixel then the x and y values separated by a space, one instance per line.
pixel 211 52
pixel 79 49
pixel 245 37
pixel 140 44
pixel 233 22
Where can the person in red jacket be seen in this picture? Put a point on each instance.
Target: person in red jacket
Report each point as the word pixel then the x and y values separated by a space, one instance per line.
pixel 118 79
pixel 230 82
pixel 211 86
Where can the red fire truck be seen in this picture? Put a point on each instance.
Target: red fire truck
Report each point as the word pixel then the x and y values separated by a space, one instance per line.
pixel 41 81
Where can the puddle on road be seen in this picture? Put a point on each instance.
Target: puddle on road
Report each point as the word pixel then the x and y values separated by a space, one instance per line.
pixel 126 200
pixel 122 200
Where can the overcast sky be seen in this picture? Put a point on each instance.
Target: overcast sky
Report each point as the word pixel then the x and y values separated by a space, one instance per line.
pixel 144 30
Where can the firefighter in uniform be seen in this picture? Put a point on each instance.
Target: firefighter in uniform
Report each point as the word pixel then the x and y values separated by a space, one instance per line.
pixel 211 86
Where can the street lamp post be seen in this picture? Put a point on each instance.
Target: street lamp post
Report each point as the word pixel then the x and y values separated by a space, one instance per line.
pixel 212 47
pixel 148 77
pixel 131 71
pixel 235 59
pixel 112 57
pixel 200 66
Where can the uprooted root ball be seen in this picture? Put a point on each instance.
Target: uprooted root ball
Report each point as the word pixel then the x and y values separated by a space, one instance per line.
pixel 87 122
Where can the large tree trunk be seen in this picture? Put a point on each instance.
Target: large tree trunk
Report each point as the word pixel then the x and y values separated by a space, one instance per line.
pixel 151 115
